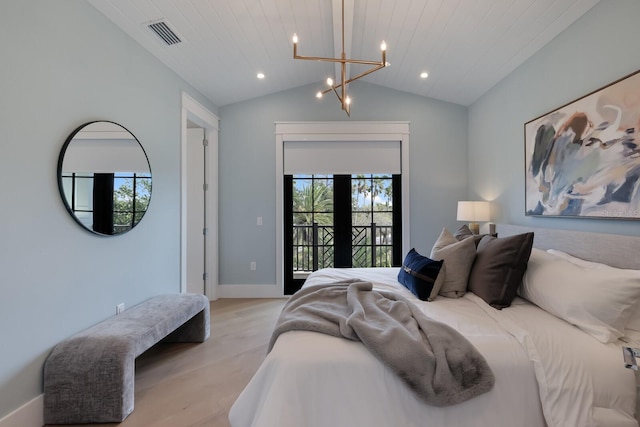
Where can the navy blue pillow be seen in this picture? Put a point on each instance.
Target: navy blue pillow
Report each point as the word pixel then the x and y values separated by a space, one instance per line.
pixel 419 273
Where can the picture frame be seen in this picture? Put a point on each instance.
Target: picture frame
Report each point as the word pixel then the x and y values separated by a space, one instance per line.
pixel 583 159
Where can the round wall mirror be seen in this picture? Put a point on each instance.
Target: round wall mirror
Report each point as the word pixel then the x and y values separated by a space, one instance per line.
pixel 104 178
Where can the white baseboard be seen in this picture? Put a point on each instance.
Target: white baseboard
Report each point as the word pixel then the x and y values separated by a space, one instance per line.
pixel 28 415
pixel 248 291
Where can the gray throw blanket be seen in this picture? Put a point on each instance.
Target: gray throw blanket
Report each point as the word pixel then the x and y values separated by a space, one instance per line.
pixel 435 360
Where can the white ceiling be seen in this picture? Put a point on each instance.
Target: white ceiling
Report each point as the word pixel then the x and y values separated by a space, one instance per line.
pixel 466 46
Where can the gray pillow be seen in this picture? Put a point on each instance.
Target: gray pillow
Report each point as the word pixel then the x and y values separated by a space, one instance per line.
pixel 498 269
pixel 458 258
pixel 464 233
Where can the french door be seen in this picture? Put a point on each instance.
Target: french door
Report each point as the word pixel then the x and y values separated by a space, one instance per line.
pixel 340 221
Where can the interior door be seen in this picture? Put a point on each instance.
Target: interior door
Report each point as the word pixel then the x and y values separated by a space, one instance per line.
pixel 196 237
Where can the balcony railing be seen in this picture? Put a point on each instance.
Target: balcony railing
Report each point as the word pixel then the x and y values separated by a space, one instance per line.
pixel 313 246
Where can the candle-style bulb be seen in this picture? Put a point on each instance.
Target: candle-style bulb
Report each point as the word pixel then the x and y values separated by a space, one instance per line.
pixel 330 81
pixel 295 38
pixel 383 46
pixel 348 100
pixel 319 95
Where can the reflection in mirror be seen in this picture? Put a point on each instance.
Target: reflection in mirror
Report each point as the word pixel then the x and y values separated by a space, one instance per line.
pixel 104 178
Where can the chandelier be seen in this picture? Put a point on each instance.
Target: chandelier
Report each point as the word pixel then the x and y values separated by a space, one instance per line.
pixel 344 99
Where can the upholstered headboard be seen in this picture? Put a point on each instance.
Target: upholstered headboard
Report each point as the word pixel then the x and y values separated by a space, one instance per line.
pixel 612 249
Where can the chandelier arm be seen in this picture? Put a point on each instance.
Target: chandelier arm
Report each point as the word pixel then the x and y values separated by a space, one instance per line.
pixel 319 58
pixel 342 100
pixel 343 78
pixel 342 27
pixel 345 106
pixel 349 61
pixel 352 79
pixel 365 73
pixel 363 62
pixel 333 88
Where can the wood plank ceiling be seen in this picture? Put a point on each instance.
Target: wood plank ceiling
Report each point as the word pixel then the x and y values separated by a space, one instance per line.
pixel 466 46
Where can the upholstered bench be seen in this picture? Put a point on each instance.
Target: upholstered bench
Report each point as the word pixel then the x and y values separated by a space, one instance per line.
pixel 89 377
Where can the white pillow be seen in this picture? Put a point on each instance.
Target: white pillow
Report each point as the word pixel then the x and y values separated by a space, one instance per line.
pixel 597 300
pixel 634 319
pixel 579 261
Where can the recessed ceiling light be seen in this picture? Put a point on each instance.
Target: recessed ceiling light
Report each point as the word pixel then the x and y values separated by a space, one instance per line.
pixel 424 75
pixel 260 76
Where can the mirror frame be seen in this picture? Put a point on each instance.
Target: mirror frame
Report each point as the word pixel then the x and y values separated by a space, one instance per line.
pixel 61 157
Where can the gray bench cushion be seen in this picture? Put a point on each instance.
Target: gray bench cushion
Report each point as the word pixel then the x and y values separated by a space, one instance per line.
pixel 89 377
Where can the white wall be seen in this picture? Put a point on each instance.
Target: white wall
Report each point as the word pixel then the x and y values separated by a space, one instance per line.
pixel 438 165
pixel 596 50
pixel 64 64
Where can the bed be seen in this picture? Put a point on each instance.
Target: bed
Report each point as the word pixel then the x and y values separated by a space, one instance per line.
pixel 553 367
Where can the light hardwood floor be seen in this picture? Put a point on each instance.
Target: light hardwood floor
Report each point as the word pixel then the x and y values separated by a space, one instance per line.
pixel 189 385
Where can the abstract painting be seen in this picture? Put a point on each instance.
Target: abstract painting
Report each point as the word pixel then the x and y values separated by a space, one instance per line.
pixel 583 159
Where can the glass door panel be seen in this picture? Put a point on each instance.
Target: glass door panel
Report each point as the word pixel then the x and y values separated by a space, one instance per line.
pixel 340 221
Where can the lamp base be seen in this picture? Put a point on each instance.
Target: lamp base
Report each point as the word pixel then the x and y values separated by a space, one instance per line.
pixel 474 227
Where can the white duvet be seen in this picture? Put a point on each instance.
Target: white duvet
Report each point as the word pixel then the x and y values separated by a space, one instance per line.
pixel 548 373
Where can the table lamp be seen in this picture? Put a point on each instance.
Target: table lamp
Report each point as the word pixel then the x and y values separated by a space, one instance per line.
pixel 474 212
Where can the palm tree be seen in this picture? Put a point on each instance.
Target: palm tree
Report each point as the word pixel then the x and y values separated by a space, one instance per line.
pixel 377 188
pixel 388 193
pixel 313 203
pixel 361 186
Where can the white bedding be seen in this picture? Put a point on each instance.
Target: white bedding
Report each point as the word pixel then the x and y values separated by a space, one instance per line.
pixel 548 373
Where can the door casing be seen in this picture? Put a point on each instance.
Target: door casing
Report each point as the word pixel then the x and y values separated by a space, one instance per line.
pixel 195 112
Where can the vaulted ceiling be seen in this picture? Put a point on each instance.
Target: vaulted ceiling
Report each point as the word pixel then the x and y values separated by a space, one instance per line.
pixel 466 46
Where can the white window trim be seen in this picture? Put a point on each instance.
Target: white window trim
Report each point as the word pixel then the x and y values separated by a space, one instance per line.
pixel 338 131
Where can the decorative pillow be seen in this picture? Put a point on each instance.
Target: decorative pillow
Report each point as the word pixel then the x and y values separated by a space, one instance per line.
pixel 578 261
pixel 634 318
pixel 597 300
pixel 498 268
pixel 464 232
pixel 458 257
pixel 420 275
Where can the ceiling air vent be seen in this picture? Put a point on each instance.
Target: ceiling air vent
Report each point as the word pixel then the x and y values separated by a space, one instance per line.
pixel 162 30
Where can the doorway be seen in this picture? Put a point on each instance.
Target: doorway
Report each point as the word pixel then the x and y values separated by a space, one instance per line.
pixel 364 141
pixel 199 199
pixel 340 221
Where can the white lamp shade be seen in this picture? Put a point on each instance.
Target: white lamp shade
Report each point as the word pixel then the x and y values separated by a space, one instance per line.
pixel 474 211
